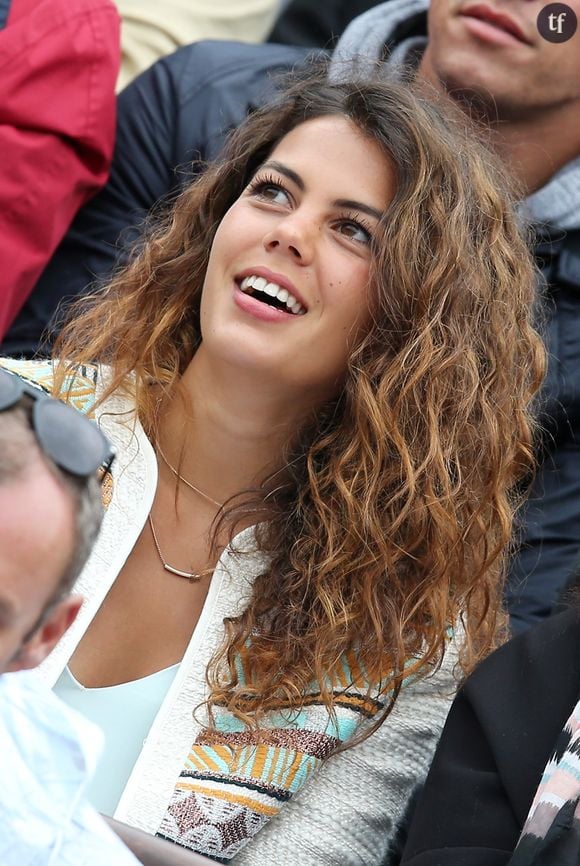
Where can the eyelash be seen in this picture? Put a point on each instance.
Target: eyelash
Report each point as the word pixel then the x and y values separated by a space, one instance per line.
pixel 261 182
pixel 359 222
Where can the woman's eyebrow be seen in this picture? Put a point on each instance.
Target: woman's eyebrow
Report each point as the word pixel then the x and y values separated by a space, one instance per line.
pixel 349 204
pixel 287 172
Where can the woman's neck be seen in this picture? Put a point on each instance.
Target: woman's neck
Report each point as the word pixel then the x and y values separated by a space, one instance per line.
pixel 231 431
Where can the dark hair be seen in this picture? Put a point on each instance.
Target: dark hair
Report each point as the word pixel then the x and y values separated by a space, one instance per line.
pixel 399 505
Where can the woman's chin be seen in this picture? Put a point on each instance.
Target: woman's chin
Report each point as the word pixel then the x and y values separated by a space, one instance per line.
pixel 242 357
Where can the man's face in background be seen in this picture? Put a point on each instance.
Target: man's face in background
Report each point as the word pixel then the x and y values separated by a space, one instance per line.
pixel 36 545
pixel 493 48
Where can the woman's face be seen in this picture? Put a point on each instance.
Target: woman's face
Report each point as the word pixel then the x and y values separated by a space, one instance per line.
pixel 286 291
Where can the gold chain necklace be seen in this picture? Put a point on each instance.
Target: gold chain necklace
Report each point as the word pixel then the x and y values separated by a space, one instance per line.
pixel 191 576
pixel 186 482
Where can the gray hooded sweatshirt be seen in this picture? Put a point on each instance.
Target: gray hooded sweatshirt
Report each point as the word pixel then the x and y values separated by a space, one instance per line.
pixel 396 32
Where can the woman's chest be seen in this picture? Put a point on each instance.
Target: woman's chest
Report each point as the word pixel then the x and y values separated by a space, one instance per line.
pixel 144 624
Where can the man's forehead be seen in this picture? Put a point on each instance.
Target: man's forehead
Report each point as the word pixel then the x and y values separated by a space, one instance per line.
pixel 36 538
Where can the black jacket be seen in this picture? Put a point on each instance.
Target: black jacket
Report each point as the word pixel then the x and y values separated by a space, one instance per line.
pixel 499 735
pixel 177 113
pixel 313 25
pixel 548 553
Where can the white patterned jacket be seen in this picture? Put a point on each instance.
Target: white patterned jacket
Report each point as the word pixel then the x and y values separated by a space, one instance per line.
pixel 284 801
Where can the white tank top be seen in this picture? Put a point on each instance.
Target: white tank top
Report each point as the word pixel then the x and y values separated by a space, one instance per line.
pixel 124 713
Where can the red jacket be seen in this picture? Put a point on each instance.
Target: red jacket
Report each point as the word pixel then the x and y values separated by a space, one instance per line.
pixel 58 67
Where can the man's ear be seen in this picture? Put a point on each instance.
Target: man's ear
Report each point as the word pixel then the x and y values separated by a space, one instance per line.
pixel 47 635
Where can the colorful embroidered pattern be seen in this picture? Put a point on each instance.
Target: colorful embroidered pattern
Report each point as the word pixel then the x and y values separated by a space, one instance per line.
pixel 79 390
pixel 553 823
pixel 233 782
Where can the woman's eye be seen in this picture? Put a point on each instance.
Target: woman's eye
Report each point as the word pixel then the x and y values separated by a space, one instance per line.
pixel 270 192
pixel 354 231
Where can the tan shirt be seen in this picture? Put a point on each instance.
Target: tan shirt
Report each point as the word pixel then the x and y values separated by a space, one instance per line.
pixel 151 29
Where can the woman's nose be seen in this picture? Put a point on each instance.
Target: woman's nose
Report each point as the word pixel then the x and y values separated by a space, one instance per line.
pixel 294 235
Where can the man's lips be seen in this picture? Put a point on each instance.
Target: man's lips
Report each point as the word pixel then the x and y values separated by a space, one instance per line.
pixel 499 20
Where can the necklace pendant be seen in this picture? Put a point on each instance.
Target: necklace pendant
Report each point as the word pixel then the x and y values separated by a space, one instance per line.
pixel 190 575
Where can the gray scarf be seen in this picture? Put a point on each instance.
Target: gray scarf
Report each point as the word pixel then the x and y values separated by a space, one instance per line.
pixel 557 204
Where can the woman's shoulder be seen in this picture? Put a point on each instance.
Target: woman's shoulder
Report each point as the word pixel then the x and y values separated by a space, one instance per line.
pixel 79 388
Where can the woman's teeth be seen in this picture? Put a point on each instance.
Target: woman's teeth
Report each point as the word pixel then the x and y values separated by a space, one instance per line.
pixel 261 284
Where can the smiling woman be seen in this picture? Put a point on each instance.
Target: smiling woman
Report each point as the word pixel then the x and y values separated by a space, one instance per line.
pixel 318 371
pixel 296 249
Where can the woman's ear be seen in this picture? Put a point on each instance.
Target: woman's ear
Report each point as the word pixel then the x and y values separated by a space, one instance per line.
pixel 47 635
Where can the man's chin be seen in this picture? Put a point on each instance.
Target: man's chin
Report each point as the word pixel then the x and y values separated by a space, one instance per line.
pixel 478 102
pixel 477 92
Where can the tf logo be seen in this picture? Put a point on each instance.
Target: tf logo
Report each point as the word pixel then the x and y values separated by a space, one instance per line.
pixel 557 22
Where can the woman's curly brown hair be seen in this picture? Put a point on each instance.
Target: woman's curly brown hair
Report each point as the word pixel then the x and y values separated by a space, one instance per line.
pixel 394 518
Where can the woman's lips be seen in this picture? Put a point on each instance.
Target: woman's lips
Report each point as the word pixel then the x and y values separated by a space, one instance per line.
pixel 259 310
pixel 271 277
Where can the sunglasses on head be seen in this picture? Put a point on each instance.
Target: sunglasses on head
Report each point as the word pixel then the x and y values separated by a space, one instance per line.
pixel 73 442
